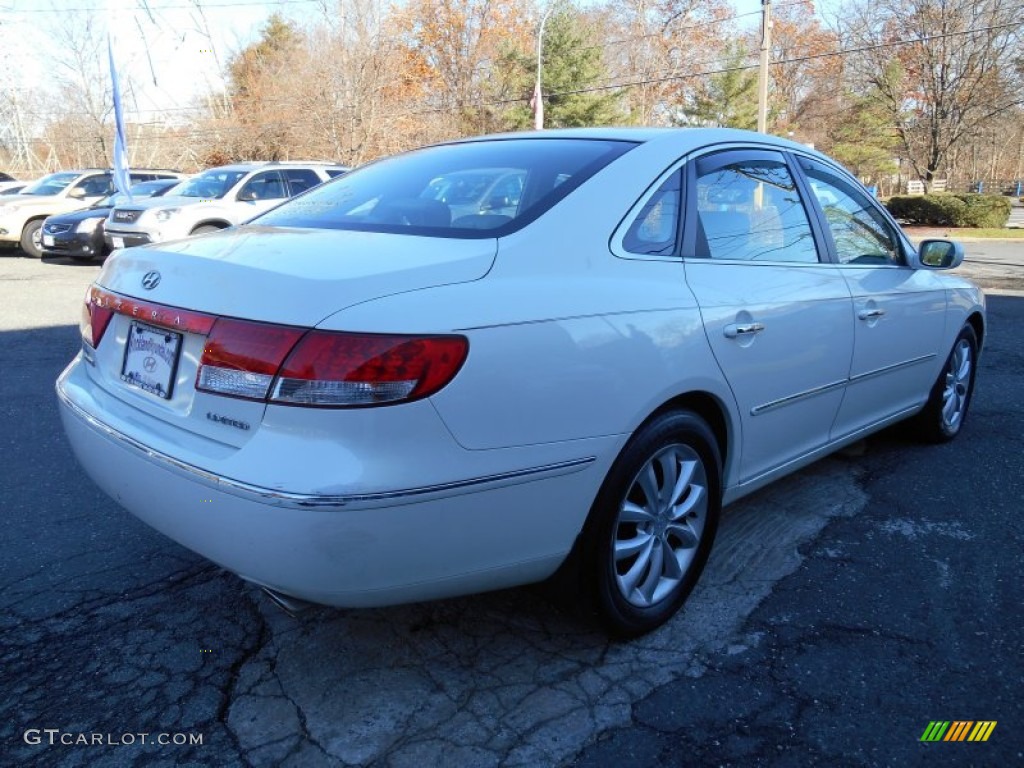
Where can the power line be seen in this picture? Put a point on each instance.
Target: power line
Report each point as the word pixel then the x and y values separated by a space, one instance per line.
pixel 97 8
pixel 621 85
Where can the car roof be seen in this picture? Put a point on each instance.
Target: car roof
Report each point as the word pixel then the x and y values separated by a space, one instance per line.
pixel 684 140
pixel 82 171
pixel 261 164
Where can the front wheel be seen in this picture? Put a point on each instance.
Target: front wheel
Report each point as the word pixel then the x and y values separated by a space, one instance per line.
pixel 943 416
pixel 652 525
pixel 32 238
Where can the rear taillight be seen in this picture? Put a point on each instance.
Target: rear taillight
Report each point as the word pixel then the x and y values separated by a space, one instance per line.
pixel 324 368
pixel 240 358
pixel 294 366
pixel 347 369
pixel 94 322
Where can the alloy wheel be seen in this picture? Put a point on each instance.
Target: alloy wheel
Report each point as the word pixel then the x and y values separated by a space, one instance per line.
pixel 660 524
pixel 957 386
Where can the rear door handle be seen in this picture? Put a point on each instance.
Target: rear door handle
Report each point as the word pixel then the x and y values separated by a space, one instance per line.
pixel 870 314
pixel 742 329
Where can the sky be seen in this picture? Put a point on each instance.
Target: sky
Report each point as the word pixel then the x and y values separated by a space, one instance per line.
pixel 167 50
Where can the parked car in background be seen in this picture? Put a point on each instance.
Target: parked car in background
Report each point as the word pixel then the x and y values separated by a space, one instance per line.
pixel 359 400
pixel 12 186
pixel 214 199
pixel 80 234
pixel 482 192
pixel 22 215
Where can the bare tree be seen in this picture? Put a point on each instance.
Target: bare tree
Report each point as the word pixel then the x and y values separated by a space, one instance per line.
pixel 943 69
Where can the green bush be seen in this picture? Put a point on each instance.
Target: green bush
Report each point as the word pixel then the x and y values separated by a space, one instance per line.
pixel 927 210
pixel 985 211
pixel 944 210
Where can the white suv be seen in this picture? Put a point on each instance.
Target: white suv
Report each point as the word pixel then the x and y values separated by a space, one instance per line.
pixel 214 199
pixel 21 215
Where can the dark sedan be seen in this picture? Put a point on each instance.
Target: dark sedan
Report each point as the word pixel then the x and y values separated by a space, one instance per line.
pixel 80 234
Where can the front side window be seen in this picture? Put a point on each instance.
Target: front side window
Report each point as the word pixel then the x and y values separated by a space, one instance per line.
pixel 210 185
pixel 264 186
pixel 471 189
pixel 96 186
pixel 750 210
pixel 861 233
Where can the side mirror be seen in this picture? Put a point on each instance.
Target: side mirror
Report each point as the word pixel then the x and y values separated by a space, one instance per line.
pixel 247 195
pixel 941 254
pixel 77 193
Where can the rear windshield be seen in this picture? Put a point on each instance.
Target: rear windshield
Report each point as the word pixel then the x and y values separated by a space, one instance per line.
pixel 474 189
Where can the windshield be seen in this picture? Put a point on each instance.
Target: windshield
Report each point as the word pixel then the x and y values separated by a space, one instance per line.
pixel 472 189
pixel 50 185
pixel 211 185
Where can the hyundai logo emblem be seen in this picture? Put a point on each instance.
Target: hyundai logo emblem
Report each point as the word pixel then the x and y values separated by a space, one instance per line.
pixel 151 280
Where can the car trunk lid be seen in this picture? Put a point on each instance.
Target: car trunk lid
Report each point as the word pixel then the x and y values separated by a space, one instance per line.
pixel 162 302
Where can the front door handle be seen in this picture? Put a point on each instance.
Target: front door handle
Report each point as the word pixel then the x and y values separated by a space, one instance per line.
pixel 870 314
pixel 742 329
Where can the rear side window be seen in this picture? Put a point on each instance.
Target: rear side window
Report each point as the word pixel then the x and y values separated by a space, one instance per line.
pixel 750 210
pixel 300 179
pixel 655 228
pixel 472 189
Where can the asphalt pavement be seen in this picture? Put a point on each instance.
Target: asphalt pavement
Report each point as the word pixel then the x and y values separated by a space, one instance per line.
pixel 910 612
pixel 844 608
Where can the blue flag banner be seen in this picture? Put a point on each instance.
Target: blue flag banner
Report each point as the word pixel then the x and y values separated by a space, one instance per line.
pixel 121 180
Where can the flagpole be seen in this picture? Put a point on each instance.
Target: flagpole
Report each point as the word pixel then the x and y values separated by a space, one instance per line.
pixel 122 180
pixel 538 94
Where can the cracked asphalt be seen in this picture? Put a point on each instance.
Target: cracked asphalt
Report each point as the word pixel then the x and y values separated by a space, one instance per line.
pixel 842 610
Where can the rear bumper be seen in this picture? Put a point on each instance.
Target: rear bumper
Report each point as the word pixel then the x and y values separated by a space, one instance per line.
pixel 349 547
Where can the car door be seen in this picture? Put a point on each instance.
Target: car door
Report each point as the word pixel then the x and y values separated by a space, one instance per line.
pixel 776 312
pixel 899 311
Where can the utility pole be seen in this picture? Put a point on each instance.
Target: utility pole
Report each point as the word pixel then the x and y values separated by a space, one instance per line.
pixel 762 80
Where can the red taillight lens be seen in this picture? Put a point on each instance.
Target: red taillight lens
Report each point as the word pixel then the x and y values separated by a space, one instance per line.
pixel 240 358
pixel 351 369
pixel 94 322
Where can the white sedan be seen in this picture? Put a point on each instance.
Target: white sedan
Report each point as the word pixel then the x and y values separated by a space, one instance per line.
pixel 360 400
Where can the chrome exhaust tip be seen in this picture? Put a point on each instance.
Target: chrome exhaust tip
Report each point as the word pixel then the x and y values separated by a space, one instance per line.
pixel 290 605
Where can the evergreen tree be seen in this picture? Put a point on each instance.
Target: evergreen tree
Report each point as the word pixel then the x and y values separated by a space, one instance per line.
pixel 727 99
pixel 864 139
pixel 572 67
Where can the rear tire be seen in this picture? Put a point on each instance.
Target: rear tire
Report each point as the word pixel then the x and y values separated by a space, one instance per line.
pixel 944 414
pixel 31 239
pixel 652 525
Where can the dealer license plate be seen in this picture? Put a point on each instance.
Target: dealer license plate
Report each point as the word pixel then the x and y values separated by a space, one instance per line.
pixel 47 239
pixel 151 359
